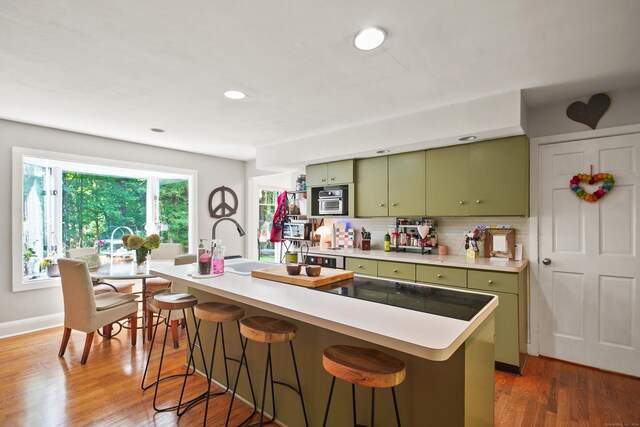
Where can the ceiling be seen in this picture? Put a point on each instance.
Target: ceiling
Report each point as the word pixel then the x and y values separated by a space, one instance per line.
pixel 118 68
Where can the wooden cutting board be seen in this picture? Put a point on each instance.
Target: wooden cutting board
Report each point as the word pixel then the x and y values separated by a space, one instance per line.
pixel 279 274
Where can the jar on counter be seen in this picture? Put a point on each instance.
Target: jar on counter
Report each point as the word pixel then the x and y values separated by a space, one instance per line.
pixel 394 238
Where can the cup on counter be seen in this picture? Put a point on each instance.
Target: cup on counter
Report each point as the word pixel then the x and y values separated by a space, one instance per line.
pixel 443 250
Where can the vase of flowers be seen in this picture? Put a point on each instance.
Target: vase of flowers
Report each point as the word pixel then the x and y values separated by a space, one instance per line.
pixel 142 246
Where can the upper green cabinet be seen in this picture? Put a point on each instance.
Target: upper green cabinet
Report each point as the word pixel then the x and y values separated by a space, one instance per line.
pixel 340 172
pixel 499 183
pixel 448 181
pixel 488 178
pixel 407 184
pixel 371 187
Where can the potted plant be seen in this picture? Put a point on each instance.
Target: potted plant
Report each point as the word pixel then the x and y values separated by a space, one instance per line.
pixel 50 264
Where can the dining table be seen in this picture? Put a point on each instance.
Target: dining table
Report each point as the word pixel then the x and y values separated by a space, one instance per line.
pixel 125 270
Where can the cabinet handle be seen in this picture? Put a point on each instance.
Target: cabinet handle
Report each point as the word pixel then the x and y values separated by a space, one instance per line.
pixel 381 204
pixel 333 179
pixel 491 282
pixel 359 266
pixel 324 179
pixel 478 201
pixel 461 202
pixel 439 276
pixel 394 204
pixel 395 270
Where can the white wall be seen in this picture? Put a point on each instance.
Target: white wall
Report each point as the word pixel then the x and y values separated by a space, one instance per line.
pixel 212 172
pixel 552 119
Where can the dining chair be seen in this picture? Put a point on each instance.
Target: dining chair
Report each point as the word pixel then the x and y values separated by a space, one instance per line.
pixel 86 312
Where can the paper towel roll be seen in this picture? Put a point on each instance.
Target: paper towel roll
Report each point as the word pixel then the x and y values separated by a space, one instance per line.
pixel 518 252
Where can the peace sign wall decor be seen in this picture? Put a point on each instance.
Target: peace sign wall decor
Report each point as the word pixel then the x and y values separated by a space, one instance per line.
pixel 223 209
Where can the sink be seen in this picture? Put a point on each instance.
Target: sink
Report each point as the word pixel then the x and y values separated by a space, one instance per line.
pixel 245 266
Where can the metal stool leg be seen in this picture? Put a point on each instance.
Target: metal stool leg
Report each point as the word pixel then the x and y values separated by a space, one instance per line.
pixel 326 411
pixel 395 405
pixel 295 367
pixel 235 385
pixel 353 402
pixel 373 406
pixel 264 388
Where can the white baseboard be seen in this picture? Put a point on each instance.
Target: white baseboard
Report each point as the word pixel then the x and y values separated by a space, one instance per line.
pixel 32 324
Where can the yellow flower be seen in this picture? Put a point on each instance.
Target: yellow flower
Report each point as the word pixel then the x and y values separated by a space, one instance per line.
pixel 152 242
pixel 134 242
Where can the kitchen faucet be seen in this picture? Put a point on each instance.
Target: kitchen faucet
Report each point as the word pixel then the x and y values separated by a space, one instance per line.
pixel 241 232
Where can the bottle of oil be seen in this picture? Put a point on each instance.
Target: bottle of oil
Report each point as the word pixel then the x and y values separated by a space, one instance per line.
pixel 387 242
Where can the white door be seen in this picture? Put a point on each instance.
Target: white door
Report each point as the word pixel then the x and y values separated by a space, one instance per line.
pixel 590 307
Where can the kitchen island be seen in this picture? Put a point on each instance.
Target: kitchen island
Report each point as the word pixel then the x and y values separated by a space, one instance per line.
pixel 449 361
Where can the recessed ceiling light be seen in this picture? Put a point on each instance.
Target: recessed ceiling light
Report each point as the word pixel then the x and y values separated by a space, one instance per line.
pixel 234 94
pixel 157 130
pixel 369 38
pixel 383 151
pixel 468 138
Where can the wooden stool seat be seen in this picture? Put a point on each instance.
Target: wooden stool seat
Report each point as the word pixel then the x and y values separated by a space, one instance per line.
pixel 174 301
pixel 156 283
pixel 218 312
pixel 363 366
pixel 267 329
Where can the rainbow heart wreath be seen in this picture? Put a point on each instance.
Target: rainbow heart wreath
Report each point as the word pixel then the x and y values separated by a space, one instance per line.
pixel 607 185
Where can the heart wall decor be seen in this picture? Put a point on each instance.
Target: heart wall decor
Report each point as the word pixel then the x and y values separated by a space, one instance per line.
pixel 591 112
pixel 607 184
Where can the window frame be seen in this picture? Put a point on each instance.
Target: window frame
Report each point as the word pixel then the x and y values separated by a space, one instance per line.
pixel 81 163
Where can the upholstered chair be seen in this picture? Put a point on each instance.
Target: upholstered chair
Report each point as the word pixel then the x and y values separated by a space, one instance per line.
pixel 86 312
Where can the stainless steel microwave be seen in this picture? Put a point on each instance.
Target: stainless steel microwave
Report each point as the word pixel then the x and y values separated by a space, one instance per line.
pixel 333 201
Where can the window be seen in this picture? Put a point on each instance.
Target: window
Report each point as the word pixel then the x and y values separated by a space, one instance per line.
pixel 66 202
pixel 267 204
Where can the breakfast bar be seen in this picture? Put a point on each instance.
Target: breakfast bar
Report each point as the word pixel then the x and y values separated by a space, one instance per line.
pixel 450 361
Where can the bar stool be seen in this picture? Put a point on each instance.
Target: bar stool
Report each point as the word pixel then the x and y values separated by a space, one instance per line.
pixel 365 367
pixel 268 330
pixel 218 313
pixel 170 302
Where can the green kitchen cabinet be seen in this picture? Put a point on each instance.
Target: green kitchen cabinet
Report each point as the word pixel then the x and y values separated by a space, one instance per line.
pixel 365 267
pixel 371 187
pixel 499 177
pixel 407 184
pixel 448 181
pixel 317 175
pixel 340 172
pixel 506 341
pixel 397 270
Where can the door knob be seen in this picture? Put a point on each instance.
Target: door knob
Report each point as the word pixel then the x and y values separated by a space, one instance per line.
pixel 546 261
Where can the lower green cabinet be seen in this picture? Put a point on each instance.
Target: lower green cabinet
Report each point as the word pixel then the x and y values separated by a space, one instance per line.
pixel 511 316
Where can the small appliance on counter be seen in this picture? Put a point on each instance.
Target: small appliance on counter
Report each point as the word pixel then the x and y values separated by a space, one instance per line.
pixel 297 229
pixel 329 261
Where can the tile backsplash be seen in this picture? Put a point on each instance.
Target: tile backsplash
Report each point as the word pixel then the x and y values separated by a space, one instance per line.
pixel 450 230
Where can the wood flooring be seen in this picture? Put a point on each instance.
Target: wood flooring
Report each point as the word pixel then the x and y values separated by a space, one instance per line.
pixel 39 389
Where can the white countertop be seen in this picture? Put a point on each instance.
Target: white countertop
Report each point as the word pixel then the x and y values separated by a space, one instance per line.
pixel 417 258
pixel 421 334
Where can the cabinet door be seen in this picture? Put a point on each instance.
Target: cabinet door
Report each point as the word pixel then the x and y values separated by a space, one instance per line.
pixel 397 270
pixel 507 345
pixel 407 184
pixel 371 187
pixel 340 172
pixel 317 175
pixel 448 181
pixel 499 183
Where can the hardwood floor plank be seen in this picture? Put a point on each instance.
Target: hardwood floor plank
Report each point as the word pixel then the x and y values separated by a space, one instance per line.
pixel 39 388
